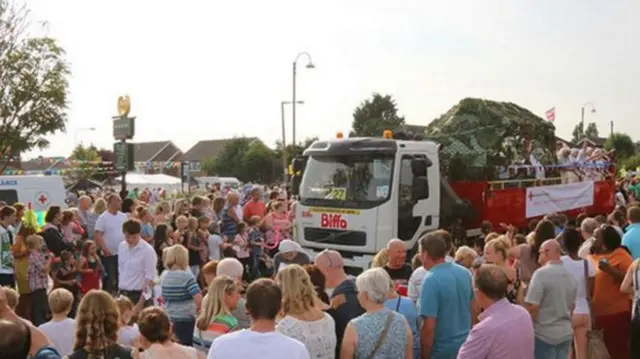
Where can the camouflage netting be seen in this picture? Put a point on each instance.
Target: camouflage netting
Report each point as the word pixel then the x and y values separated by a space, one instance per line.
pixel 479 136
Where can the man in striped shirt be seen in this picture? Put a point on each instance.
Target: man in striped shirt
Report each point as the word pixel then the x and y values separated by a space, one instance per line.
pixel 505 330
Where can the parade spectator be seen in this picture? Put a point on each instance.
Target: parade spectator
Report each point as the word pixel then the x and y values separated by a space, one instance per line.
pixel 397 267
pixel 631 238
pixel 231 216
pixel 156 337
pixel 587 229
pixel 137 263
pixel 380 259
pixel 39 267
pixel 495 252
pixel 380 332
pixel 289 252
pixel 60 329
pixel 550 300
pixel 445 300
pixel 406 307
pixel 180 292
pixel 302 317
pixel 52 234
pixel 232 268
pixel 264 301
pixel 255 206
pixel 108 236
pixel 216 318
pixel 611 307
pixel 341 289
pixel 505 330
pixel 21 267
pixel 87 217
pixel 527 254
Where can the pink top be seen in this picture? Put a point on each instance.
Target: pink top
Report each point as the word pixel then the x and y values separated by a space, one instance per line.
pixel 240 246
pixel 505 331
pixel 67 232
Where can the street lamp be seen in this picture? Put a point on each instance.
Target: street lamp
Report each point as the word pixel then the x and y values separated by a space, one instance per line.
pixel 75 135
pixel 593 110
pixel 284 142
pixel 310 65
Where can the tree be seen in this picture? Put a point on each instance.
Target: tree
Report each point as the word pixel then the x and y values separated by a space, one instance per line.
pixel 246 159
pixel 631 163
pixel 89 162
pixel 33 84
pixel 580 132
pixel 622 144
pixel 293 151
pixel 208 166
pixel 375 115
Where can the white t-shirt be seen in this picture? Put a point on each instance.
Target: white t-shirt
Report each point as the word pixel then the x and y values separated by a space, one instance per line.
pixel 128 334
pixel 213 243
pixel 576 268
pixel 61 333
pixel 249 344
pixel 415 283
pixel 111 227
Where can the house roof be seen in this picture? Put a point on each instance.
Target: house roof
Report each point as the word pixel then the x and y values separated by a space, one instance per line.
pixel 43 163
pixel 159 151
pixel 207 149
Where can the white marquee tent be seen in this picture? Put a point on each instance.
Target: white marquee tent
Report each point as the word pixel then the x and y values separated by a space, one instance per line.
pixel 152 180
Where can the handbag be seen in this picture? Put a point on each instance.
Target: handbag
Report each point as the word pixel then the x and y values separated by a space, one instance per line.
pixel 382 337
pixel 596 349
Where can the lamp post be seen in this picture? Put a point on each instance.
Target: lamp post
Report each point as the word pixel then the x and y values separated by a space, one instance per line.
pixel 593 110
pixel 310 65
pixel 75 135
pixel 284 142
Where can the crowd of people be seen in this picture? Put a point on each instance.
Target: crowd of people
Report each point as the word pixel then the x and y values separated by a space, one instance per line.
pixel 219 276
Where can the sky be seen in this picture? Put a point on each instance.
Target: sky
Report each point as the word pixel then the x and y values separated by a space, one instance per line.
pixel 198 70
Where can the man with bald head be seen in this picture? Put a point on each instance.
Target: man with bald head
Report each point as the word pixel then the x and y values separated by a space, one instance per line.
pixel 550 300
pixel 397 267
pixel 341 289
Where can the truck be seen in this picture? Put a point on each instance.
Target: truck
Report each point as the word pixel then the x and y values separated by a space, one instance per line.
pixel 355 194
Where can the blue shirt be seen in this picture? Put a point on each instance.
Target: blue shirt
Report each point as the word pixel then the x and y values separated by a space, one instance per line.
pixel 631 239
pixel 446 295
pixel 404 306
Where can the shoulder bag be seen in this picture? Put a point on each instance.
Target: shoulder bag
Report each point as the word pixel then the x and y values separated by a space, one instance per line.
pixel 596 349
pixel 382 337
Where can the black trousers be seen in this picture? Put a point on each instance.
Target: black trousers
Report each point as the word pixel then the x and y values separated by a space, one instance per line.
pixel 110 264
pixel 7 280
pixel 39 307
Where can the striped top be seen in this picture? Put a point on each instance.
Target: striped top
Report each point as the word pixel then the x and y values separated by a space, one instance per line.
pixel 229 226
pixel 221 324
pixel 178 288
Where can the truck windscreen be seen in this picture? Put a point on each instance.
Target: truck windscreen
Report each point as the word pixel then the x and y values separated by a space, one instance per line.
pixel 362 178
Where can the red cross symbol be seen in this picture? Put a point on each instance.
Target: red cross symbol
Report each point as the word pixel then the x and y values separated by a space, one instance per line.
pixel 42 199
pixel 530 196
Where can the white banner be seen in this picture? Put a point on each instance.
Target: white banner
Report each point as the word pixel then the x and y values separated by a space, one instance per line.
pixel 553 199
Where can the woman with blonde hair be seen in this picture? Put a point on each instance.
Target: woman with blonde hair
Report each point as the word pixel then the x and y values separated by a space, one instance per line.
pixel 97 325
pixel 302 316
pixel 381 258
pixel 99 207
pixel 215 318
pixel 180 292
pixel 496 252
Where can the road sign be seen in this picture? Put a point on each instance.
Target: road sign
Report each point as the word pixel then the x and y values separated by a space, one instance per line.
pixel 124 128
pixel 185 172
pixel 123 153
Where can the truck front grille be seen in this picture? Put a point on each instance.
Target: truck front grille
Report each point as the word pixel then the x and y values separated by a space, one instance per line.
pixel 335 236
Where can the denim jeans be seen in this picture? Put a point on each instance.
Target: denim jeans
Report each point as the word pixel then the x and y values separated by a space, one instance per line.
pixel 183 329
pixel 255 262
pixel 544 350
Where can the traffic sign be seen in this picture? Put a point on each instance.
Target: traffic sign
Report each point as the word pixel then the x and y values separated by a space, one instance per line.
pixel 123 153
pixel 124 128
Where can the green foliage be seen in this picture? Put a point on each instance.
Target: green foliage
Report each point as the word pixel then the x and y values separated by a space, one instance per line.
pixel 580 132
pixel 631 163
pixel 87 156
pixel 246 159
pixel 622 144
pixel 375 115
pixel 477 135
pixel 33 84
pixel 292 151
pixel 208 166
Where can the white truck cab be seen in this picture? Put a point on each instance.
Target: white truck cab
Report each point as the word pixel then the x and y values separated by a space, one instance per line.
pixel 356 194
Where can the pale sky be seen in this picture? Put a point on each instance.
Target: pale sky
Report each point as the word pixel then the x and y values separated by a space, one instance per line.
pixel 199 69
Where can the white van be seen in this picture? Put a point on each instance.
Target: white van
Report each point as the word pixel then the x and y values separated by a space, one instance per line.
pixel 40 191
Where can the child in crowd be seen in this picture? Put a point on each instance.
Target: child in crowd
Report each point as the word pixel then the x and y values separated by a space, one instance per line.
pixel 146 219
pixel 256 243
pixel 194 245
pixel 181 235
pixel 61 330
pixel 39 266
pixel 203 236
pixel 66 277
pixel 215 243
pixel 128 335
pixel 13 298
pixel 90 267
pixel 66 225
pixel 242 248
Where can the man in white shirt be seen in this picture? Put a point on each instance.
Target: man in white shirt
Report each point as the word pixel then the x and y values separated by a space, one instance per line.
pixel 137 262
pixel 108 236
pixel 261 340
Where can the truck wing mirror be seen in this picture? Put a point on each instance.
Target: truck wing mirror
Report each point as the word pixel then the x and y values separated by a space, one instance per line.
pixel 420 188
pixel 419 166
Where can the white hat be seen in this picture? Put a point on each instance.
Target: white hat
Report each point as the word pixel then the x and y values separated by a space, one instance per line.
pixel 288 245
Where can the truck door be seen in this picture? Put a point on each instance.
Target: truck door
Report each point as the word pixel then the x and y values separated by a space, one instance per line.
pixel 408 224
